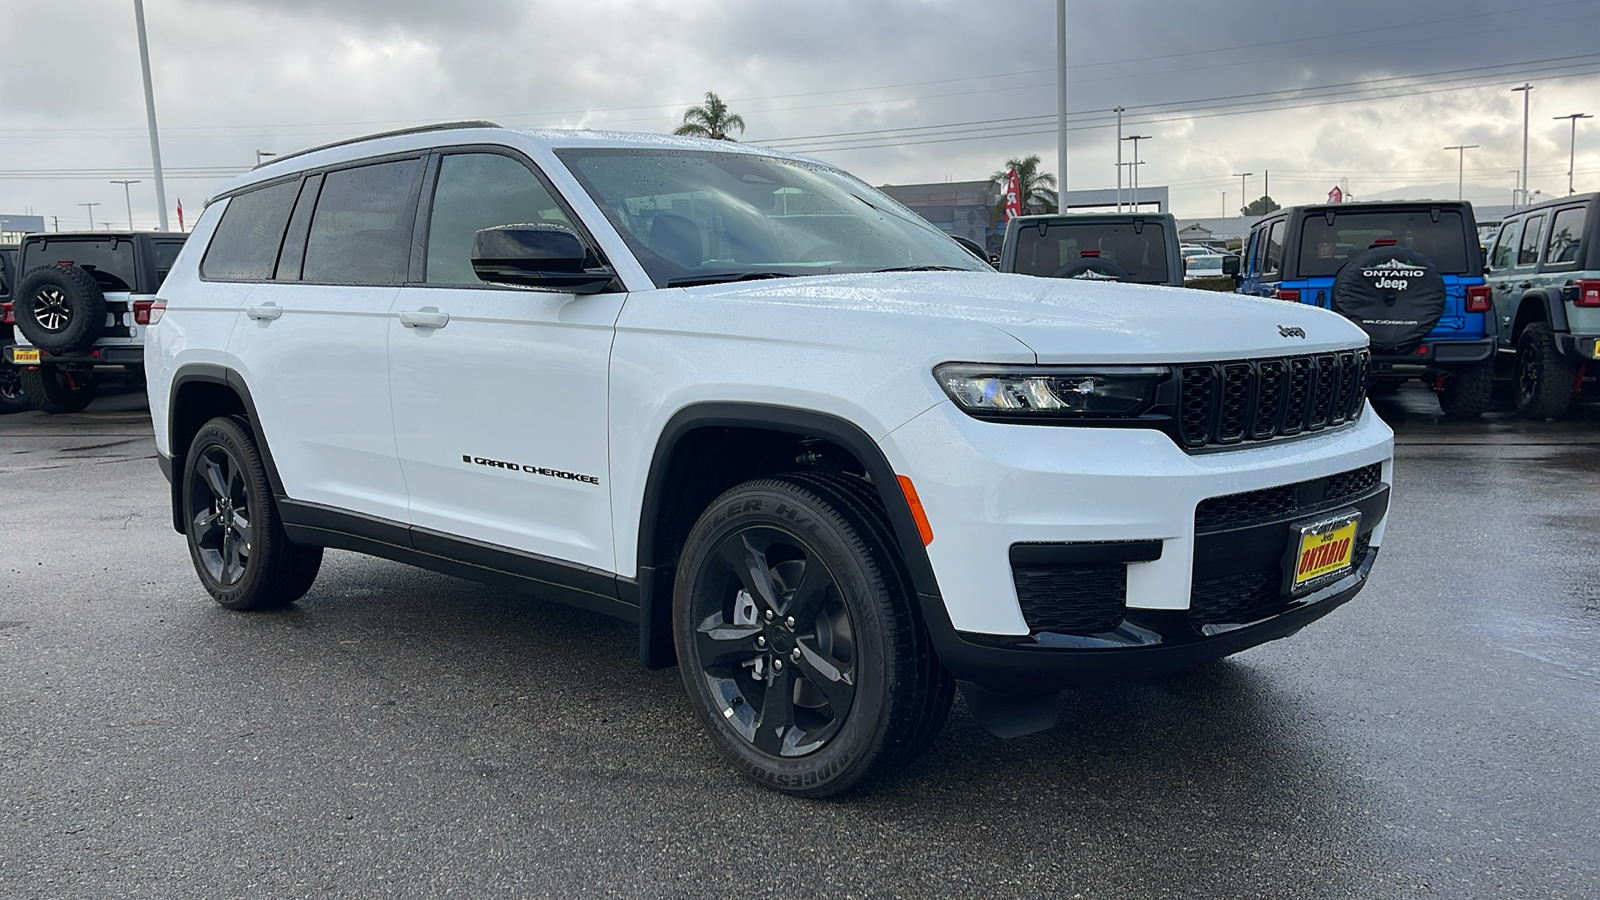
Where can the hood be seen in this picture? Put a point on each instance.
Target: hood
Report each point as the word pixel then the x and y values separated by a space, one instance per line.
pixel 1065 320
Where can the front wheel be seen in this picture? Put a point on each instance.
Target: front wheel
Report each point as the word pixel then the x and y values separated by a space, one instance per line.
pixel 797 639
pixel 236 540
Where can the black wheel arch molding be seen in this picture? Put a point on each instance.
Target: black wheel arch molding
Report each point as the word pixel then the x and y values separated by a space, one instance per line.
pixel 1549 300
pixel 653 585
pixel 221 376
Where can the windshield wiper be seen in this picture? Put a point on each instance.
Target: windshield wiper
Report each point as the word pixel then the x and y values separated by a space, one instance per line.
pixel 926 269
pixel 724 277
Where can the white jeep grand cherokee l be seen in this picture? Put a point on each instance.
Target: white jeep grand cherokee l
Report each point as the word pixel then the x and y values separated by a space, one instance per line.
pixel 832 464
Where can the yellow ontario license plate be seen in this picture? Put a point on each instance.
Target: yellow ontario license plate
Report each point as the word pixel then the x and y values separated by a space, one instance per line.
pixel 1326 548
pixel 21 356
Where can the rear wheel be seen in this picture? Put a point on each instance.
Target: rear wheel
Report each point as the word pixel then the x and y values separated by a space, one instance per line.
pixel 58 391
pixel 12 397
pixel 1466 391
pixel 1544 377
pixel 236 540
pixel 797 639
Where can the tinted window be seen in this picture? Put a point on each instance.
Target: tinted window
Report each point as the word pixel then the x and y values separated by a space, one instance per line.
pixel 361 230
pixel 1505 244
pixel 1324 248
pixel 166 253
pixel 1566 232
pixel 1528 249
pixel 475 191
pixel 246 241
pixel 1274 254
pixel 294 240
pixel 110 260
pixel 1142 252
pixel 7 258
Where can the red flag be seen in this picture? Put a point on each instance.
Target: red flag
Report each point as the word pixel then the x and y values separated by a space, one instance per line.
pixel 1336 195
pixel 1013 195
pixel 180 213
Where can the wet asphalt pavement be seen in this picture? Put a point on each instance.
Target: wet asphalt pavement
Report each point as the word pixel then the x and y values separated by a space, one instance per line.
pixel 400 733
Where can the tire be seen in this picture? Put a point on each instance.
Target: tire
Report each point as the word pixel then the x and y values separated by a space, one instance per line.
pixel 1467 391
pixel 1395 294
pixel 57 391
pixel 12 396
pixel 60 308
pixel 236 539
pixel 1543 386
pixel 858 692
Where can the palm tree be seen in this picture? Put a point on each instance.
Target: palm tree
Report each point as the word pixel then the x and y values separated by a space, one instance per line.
pixel 1038 189
pixel 711 120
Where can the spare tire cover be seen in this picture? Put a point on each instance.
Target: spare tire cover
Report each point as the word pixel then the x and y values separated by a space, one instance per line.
pixel 1395 294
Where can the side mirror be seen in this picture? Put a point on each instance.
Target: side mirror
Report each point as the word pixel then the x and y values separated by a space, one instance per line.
pixel 1230 264
pixel 972 247
pixel 542 255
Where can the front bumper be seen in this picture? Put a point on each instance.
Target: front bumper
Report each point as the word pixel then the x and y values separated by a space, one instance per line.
pixel 1127 498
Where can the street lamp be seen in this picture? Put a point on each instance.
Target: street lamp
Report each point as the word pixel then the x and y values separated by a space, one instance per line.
pixel 127 196
pixel 1119 110
pixel 90 207
pixel 263 154
pixel 1461 163
pixel 1572 146
pixel 1243 203
pixel 1527 91
pixel 1136 138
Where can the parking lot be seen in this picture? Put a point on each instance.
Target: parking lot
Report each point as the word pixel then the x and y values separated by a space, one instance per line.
pixel 400 733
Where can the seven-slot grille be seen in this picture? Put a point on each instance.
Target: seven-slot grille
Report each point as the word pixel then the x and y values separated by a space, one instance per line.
pixel 1226 403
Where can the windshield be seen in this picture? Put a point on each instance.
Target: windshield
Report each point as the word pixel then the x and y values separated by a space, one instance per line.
pixel 694 217
pixel 1054 248
pixel 1325 247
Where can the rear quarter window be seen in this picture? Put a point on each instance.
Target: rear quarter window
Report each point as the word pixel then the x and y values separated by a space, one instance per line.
pixel 1564 246
pixel 1325 247
pixel 245 245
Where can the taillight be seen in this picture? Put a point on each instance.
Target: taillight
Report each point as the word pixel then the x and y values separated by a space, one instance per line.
pixel 1588 294
pixel 7 315
pixel 1290 294
pixel 1478 298
pixel 153 309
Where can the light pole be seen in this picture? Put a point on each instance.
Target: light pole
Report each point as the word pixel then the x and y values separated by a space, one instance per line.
pixel 1572 146
pixel 1119 110
pixel 1243 192
pixel 1136 138
pixel 127 197
pixel 263 154
pixel 1527 91
pixel 1461 163
pixel 90 207
pixel 1061 106
pixel 150 113
pixel 1224 204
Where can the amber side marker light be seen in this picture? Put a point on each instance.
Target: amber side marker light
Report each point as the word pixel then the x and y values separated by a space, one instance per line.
pixel 917 513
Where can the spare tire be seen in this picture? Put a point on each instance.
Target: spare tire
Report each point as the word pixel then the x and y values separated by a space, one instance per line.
pixel 1395 294
pixel 60 308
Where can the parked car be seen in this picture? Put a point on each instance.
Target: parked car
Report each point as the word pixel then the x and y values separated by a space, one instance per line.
pixel 829 462
pixel 80 307
pixel 1211 265
pixel 12 398
pixel 1544 276
pixel 1410 274
pixel 1135 247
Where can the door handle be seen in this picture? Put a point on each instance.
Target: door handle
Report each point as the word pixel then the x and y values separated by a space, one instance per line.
pixel 1525 284
pixel 265 312
pixel 426 317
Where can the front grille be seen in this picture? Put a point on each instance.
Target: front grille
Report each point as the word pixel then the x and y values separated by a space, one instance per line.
pixel 1226 403
pixel 1244 597
pixel 1233 510
pixel 1084 599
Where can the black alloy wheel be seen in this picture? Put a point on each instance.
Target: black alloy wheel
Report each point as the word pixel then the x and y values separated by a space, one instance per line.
pixel 50 309
pixel 774 641
pixel 236 540
pixel 1544 377
pixel 13 398
pixel 798 638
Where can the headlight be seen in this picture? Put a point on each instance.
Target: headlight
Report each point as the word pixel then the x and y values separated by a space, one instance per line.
pixel 1051 392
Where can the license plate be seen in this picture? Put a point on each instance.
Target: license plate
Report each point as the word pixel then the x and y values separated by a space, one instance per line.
pixel 1326 548
pixel 22 357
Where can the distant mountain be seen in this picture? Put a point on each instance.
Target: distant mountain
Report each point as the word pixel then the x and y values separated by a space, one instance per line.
pixel 1477 194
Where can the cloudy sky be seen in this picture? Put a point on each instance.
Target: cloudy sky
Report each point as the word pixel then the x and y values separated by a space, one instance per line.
pixel 1366 92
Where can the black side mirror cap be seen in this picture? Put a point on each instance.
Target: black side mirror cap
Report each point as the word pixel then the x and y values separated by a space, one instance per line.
pixel 972 247
pixel 1230 264
pixel 543 255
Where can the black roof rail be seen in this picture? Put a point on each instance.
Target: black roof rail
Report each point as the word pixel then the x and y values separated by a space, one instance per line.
pixel 420 129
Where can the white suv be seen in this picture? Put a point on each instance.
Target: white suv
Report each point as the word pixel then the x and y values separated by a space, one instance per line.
pixel 831 464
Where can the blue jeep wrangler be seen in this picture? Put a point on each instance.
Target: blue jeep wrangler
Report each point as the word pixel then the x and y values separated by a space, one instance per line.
pixel 1409 273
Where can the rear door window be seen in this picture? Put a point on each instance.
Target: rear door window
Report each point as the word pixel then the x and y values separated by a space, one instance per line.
pixel 1141 250
pixel 361 230
pixel 1566 236
pixel 1528 247
pixel 1325 247
pixel 245 245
